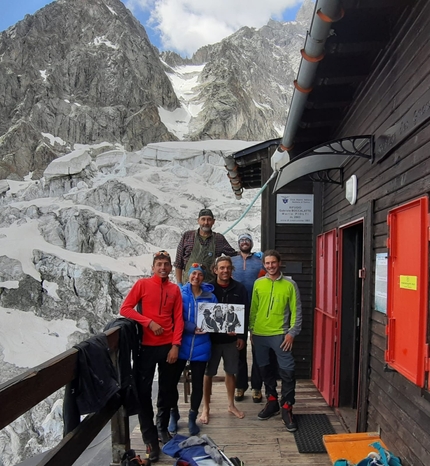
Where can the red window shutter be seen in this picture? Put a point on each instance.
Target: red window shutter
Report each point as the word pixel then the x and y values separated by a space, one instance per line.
pixel 407 307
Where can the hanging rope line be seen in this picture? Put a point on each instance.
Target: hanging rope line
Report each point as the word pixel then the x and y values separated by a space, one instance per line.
pixel 252 202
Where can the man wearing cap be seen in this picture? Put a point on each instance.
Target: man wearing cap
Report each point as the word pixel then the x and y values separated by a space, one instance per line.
pixel 201 246
pixel 208 323
pixel 161 304
pixel 231 320
pixel 247 266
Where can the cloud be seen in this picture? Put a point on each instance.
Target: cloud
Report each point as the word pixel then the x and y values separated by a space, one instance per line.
pixel 186 25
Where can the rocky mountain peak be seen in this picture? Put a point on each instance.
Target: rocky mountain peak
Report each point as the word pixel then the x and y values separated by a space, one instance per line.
pixel 82 71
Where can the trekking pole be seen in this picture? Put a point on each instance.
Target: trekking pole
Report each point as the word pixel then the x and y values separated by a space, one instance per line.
pixel 211 443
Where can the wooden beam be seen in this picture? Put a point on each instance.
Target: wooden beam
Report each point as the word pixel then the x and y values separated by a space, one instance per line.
pixel 21 393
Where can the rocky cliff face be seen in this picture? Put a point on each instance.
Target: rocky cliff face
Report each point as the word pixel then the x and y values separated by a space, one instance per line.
pixel 247 81
pixel 83 71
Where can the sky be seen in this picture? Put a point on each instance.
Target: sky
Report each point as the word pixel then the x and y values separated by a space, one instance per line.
pixel 181 25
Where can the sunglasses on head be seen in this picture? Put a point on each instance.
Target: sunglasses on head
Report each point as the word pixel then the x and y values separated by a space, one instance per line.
pixel 161 253
pixel 223 257
pixel 194 265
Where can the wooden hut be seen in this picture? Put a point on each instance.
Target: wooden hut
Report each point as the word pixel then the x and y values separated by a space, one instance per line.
pixel 349 212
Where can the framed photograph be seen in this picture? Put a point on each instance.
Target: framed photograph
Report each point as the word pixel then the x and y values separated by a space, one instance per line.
pixel 221 317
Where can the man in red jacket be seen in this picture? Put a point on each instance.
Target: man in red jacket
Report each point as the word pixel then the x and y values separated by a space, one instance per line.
pixel 161 304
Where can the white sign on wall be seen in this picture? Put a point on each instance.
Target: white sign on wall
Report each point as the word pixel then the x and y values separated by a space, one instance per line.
pixel 295 208
pixel 381 274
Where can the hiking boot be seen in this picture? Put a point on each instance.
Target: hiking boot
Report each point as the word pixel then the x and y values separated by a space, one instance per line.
pixel 153 451
pixel 164 436
pixel 173 423
pixel 240 393
pixel 129 458
pixel 192 426
pixel 288 417
pixel 270 409
pixel 257 397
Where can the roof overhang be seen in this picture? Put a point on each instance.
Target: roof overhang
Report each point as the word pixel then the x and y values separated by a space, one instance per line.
pixel 321 159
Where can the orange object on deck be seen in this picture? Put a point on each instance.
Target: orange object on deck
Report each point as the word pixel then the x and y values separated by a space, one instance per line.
pixel 351 447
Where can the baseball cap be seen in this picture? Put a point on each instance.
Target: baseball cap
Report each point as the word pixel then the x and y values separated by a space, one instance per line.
pixel 206 213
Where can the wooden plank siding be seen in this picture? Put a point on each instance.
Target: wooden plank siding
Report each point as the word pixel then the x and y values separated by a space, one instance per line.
pixel 295 244
pixel 395 407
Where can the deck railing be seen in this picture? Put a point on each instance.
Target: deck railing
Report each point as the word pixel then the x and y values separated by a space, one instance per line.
pixel 21 393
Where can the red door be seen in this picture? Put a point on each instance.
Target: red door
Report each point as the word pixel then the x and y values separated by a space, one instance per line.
pixel 325 316
pixel 407 306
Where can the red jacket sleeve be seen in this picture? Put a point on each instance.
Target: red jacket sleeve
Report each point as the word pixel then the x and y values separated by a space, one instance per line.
pixel 178 318
pixel 133 298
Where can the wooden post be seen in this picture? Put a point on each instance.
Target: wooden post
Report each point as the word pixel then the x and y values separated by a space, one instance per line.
pixel 120 427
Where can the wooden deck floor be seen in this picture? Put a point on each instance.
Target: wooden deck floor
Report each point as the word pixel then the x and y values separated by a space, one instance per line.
pixel 255 442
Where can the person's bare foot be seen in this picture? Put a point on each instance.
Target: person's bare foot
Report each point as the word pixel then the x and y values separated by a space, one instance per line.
pixel 236 412
pixel 204 418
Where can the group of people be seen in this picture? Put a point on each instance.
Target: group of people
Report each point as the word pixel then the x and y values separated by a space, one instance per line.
pixel 209 270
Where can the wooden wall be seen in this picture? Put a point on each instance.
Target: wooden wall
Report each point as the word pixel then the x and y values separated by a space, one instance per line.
pixel 394 406
pixel 295 244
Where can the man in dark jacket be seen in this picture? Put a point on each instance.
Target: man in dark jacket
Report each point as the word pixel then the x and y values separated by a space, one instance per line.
pixel 225 345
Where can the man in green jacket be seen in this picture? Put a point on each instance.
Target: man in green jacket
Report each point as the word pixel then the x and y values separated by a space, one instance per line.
pixel 275 320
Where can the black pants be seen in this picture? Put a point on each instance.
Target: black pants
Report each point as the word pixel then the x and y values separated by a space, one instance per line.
pixel 149 357
pixel 256 378
pixel 197 374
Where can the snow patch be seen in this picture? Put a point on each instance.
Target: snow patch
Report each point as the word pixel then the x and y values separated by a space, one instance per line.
pixel 43 74
pixel 111 10
pixel 176 122
pixel 10 285
pixel 54 139
pixel 51 289
pixel 68 164
pixel 18 342
pixel 101 40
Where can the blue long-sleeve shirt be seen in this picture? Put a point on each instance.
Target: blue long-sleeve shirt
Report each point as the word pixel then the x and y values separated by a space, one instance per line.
pixel 246 271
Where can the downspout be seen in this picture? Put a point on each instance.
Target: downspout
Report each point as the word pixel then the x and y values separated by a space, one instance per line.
pixel 236 185
pixel 326 12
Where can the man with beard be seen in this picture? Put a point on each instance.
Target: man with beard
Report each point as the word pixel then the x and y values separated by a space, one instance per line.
pixel 202 246
pixel 225 345
pixel 275 321
pixel 247 265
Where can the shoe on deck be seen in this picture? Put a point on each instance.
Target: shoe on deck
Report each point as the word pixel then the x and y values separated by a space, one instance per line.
pixel 240 393
pixel 164 436
pixel 257 397
pixel 173 421
pixel 270 409
pixel 288 417
pixel 153 451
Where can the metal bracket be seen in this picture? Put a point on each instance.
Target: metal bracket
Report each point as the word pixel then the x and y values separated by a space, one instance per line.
pixel 324 176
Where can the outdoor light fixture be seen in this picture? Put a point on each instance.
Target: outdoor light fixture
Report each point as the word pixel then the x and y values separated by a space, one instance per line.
pixel 351 190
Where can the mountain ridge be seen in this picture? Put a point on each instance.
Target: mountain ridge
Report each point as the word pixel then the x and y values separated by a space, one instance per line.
pixel 85 72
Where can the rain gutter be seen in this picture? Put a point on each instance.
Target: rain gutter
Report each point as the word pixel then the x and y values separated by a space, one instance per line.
pixel 326 12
